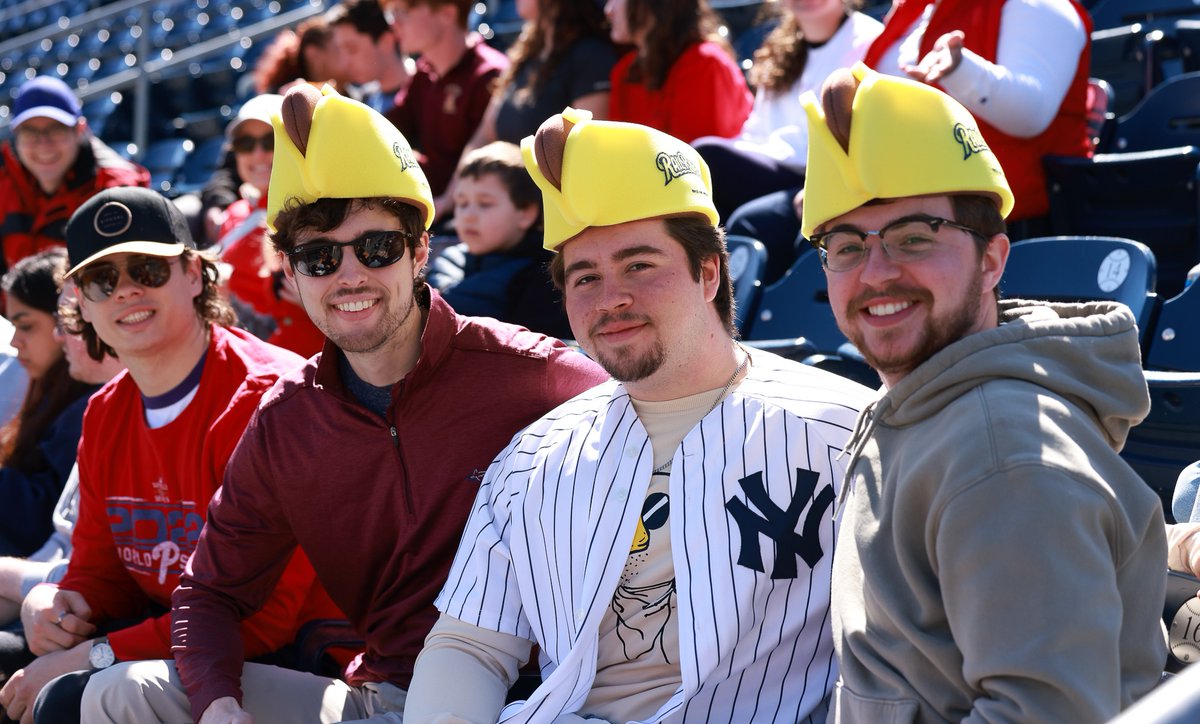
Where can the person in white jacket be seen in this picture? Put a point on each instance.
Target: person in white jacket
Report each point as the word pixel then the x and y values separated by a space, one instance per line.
pixel 810 41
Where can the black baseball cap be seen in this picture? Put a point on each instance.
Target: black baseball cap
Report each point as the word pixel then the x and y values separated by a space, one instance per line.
pixel 126 220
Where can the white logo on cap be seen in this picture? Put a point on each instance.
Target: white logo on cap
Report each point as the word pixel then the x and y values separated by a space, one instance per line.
pixel 113 219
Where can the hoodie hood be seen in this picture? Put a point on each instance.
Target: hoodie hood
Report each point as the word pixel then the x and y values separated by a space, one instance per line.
pixel 1088 353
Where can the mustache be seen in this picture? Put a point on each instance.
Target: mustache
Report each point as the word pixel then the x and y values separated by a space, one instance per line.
pixel 345 293
pixel 895 291
pixel 619 317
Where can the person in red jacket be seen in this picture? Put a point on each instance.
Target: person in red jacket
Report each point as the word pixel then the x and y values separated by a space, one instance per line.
pixel 155 444
pixel 1019 66
pixel 50 167
pixel 262 297
pixel 681 77
pixel 367 459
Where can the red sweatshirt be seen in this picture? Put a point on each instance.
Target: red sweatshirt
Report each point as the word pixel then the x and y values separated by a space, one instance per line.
pixel 144 495
pixel 705 94
pixel 378 505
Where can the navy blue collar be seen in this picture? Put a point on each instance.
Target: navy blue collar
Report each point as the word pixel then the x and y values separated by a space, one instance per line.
pixel 179 391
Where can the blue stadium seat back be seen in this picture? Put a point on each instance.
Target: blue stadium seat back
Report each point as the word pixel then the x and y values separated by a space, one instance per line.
pixel 124 147
pixel 1187 40
pixel 203 123
pixel 797 305
pixel 1148 196
pixel 747 262
pixel 109 116
pixel 1166 118
pixel 1168 440
pixel 751 39
pixel 1101 120
pixel 499 23
pixel 1085 268
pixel 163 159
pixel 739 16
pixel 205 158
pixel 1113 13
pixel 1124 56
pixel 1175 343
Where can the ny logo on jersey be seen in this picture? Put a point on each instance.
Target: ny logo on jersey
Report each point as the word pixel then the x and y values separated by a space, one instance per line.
pixel 779 524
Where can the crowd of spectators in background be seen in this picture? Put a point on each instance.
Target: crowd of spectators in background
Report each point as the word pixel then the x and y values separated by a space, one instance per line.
pixel 244 308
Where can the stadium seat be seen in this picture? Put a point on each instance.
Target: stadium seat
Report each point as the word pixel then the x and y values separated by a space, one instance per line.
pixel 1123 57
pixel 747 261
pixel 1101 120
pixel 1166 118
pixel 1148 196
pixel 1168 440
pixel 798 306
pixel 794 320
pixel 199 166
pixel 1175 343
pixel 1114 13
pixel 163 159
pixel 1085 268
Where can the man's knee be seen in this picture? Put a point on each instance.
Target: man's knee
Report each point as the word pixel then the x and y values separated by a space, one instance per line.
pixel 135 686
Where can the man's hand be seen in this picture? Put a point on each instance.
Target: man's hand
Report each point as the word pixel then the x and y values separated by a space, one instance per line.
pixel 22 688
pixel 940 61
pixel 225 710
pixel 55 619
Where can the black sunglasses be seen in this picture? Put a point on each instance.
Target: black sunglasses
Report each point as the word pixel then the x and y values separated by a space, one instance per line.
pixel 246 144
pixel 374 250
pixel 99 281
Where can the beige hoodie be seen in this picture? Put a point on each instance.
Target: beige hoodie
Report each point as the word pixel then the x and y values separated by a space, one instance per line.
pixel 997 560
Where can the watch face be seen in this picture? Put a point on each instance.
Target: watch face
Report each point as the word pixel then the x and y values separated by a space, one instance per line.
pixel 101 656
pixel 1185 632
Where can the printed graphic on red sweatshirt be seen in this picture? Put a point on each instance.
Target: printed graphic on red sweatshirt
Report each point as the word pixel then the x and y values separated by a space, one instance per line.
pixel 154 538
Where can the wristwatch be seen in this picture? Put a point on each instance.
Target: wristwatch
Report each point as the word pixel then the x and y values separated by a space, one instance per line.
pixel 101 656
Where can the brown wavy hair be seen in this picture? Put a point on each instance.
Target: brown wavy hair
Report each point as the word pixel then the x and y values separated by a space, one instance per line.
pixel 559 24
pixel 41 275
pixel 781 58
pixel 283 61
pixel 673 25
pixel 211 307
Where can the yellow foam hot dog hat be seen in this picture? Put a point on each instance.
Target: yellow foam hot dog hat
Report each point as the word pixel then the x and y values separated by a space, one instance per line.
pixel 904 139
pixel 331 147
pixel 600 173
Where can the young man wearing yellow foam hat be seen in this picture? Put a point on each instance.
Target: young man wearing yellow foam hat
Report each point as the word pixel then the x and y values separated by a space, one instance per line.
pixel 997 560
pixel 367 458
pixel 665 538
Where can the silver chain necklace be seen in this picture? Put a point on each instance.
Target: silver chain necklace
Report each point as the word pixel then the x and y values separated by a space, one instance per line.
pixel 724 391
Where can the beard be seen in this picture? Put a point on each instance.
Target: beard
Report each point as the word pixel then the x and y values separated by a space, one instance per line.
pixel 369 339
pixel 624 365
pixel 936 334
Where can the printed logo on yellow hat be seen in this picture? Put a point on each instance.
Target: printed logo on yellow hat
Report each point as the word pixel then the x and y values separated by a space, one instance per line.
pixel 331 147
pixel 898 138
pixel 601 173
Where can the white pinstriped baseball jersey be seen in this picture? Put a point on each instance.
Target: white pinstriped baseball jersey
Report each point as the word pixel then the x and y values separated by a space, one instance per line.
pixel 551 529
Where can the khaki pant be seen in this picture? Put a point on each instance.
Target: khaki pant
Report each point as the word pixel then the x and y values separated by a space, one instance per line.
pixel 150 691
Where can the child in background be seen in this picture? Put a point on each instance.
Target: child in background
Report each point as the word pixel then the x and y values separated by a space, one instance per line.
pixel 499 268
